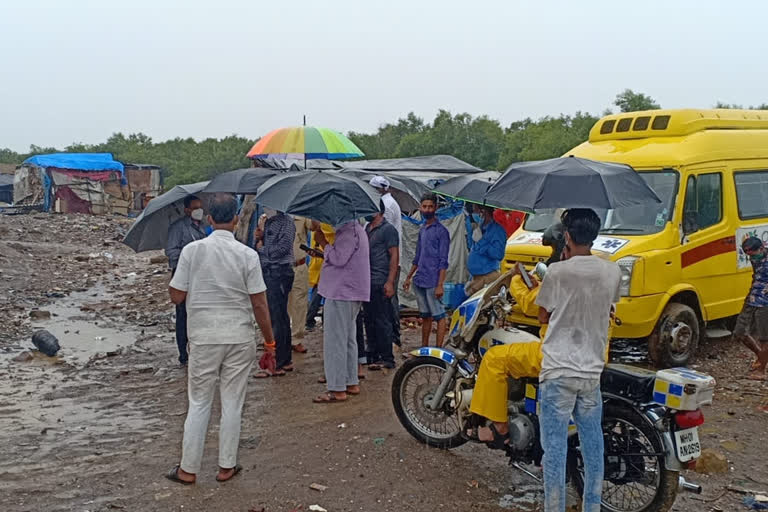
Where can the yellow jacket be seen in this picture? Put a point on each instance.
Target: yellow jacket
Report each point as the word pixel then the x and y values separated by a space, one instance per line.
pixel 316 264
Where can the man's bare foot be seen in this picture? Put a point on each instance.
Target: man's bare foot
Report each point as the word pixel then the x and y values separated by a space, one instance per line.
pixel 353 390
pixel 486 435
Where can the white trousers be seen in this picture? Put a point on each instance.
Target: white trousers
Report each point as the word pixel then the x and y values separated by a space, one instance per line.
pixel 231 365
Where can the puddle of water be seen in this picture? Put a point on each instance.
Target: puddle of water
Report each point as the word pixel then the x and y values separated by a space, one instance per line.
pixel 81 334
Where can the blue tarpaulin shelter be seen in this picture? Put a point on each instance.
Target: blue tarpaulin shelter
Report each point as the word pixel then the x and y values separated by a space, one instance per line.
pixel 78 161
pixel 79 179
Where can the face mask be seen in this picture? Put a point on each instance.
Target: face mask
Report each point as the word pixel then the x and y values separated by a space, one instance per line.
pixel 757 258
pixel 427 215
pixel 369 218
pixel 477 217
pixel 269 212
pixel 197 214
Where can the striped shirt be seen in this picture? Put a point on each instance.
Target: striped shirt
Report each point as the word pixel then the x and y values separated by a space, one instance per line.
pixel 279 231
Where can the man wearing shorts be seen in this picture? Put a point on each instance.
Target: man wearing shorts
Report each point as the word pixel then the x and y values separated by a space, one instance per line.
pixel 429 266
pixel 752 324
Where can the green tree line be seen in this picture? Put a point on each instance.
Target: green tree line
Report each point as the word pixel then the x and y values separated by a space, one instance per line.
pixel 479 140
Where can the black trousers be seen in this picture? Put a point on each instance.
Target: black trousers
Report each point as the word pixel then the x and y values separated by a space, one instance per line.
pixel 396 312
pixel 314 308
pixel 279 281
pixel 181 332
pixel 378 327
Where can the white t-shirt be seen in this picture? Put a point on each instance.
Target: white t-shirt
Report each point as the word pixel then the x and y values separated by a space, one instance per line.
pixel 579 293
pixel 393 215
pixel 219 274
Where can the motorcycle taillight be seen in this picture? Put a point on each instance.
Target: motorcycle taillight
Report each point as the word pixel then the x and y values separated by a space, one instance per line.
pixel 689 419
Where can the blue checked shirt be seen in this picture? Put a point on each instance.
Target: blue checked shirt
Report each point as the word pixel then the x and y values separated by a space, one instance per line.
pixel 279 232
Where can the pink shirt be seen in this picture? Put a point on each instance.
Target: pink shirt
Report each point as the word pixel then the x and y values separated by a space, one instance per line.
pixel 346 273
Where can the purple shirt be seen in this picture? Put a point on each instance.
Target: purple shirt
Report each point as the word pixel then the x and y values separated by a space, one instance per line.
pixel 346 272
pixel 431 254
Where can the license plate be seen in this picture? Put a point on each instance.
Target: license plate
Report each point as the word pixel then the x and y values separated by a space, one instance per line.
pixel 688 446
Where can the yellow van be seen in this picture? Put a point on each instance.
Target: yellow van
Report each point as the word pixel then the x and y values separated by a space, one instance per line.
pixel 681 260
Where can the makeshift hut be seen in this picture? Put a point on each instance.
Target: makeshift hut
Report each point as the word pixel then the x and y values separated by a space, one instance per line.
pixel 6 188
pixel 93 183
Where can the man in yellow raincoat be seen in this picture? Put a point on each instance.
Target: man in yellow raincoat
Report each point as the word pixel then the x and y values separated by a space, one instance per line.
pixel 315 265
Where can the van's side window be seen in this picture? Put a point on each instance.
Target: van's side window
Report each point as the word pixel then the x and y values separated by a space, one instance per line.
pixel 751 193
pixel 703 202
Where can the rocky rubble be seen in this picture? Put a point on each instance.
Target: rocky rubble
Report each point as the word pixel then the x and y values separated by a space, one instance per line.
pixel 44 257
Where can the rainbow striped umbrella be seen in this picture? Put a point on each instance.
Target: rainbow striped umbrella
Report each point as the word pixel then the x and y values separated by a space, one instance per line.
pixel 305 142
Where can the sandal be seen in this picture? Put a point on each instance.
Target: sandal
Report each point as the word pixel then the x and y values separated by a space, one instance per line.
pixel 352 391
pixel 321 380
pixel 173 476
pixel 299 348
pixel 328 398
pixel 375 367
pixel 499 442
pixel 237 469
pixel 288 367
pixel 264 374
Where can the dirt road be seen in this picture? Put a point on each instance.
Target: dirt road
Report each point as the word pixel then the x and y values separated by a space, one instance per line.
pixel 95 428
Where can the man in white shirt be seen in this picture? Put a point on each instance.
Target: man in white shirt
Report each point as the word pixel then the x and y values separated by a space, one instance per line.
pixel 221 281
pixel 575 300
pixel 393 215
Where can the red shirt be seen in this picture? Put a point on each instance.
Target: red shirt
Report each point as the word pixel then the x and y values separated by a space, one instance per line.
pixel 509 220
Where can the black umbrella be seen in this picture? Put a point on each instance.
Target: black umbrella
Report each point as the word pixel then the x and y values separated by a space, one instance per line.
pixel 406 191
pixel 325 196
pixel 569 182
pixel 150 229
pixel 241 181
pixel 465 188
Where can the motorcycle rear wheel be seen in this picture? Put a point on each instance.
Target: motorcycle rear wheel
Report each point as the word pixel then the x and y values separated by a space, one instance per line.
pixel 413 386
pixel 635 477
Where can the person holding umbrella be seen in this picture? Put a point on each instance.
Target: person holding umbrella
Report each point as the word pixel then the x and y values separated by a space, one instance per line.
pixel 576 300
pixel 274 243
pixel 345 283
pixel 181 233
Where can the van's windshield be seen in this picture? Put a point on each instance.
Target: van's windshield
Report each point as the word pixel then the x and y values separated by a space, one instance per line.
pixel 634 220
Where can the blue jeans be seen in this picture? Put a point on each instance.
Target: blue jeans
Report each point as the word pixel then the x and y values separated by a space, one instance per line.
pixel 561 398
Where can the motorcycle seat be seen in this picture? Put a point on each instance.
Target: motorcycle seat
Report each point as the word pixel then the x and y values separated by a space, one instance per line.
pixel 628 382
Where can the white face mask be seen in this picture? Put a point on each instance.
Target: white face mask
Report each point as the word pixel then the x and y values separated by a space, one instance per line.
pixel 197 214
pixel 269 212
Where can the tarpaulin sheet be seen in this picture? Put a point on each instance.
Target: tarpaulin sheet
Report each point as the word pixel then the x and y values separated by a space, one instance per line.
pixel 77 161
pixel 454 220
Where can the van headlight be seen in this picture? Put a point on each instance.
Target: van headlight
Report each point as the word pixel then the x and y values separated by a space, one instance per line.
pixel 626 265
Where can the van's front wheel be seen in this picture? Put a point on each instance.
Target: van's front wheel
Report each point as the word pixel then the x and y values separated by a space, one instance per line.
pixel 676 337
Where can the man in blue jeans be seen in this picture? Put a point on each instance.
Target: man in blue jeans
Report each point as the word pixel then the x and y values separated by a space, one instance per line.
pixel 575 300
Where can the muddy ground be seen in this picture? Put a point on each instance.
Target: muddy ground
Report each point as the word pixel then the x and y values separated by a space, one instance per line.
pixel 95 428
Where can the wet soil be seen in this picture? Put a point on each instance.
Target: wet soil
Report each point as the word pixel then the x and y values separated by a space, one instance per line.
pixel 97 426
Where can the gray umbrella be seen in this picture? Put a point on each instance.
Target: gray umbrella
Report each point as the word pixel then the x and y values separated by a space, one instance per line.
pixel 240 181
pixel 150 229
pixel 325 196
pixel 465 188
pixel 405 191
pixel 569 182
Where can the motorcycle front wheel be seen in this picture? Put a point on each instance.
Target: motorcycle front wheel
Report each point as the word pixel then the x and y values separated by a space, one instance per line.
pixel 413 387
pixel 635 479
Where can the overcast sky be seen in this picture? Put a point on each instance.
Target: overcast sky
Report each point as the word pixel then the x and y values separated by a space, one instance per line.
pixel 77 71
